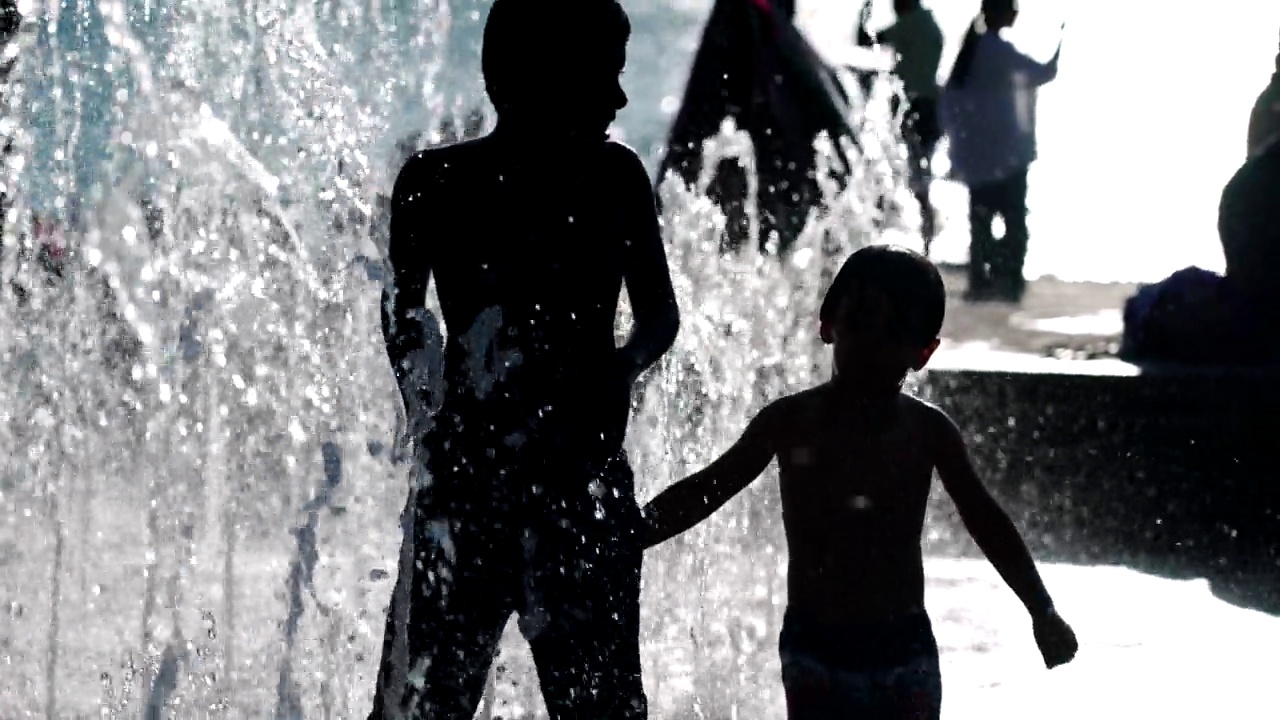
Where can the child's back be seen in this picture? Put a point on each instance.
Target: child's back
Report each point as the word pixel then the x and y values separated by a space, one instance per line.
pixel 856 458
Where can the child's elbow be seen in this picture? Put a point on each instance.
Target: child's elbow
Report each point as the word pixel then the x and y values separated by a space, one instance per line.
pixel 665 327
pixel 670 327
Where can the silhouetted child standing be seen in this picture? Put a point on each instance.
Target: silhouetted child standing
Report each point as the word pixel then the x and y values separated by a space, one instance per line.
pixel 527 504
pixel 856 457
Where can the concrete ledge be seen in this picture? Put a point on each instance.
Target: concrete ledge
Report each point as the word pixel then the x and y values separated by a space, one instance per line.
pixel 1105 461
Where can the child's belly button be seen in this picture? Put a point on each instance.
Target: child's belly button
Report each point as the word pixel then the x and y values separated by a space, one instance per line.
pixel 860 502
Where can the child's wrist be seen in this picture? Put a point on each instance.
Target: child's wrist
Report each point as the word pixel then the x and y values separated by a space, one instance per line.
pixel 628 364
pixel 1042 609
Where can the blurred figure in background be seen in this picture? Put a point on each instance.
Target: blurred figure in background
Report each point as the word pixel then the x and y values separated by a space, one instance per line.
pixel 916 39
pixel 753 66
pixel 1199 317
pixel 988 111
pixel 1264 123
pixel 1249 227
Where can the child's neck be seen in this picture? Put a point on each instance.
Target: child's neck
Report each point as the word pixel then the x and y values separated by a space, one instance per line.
pixel 537 134
pixel 863 397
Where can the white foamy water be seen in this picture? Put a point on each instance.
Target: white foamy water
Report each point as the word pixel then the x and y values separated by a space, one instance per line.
pixel 1150 647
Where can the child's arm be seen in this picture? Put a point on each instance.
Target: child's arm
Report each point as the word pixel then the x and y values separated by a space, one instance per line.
pixel 1000 541
pixel 986 521
pixel 404 301
pixel 647 276
pixel 693 499
pixel 1037 73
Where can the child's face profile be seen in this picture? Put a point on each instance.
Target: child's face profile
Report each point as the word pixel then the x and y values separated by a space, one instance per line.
pixel 588 91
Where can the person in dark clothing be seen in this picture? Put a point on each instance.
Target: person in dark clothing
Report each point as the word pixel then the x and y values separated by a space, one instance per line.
pixel 755 67
pixel 988 113
pixel 1199 317
pixel 1249 228
pixel 1264 120
pixel 530 233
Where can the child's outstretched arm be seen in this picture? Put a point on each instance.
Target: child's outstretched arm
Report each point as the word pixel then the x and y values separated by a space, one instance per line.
pixel 693 499
pixel 1000 541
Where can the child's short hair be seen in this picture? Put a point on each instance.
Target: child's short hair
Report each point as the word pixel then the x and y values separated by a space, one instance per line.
pixel 911 283
pixel 525 41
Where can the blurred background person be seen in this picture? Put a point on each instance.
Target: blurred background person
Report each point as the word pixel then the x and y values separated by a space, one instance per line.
pixel 988 112
pixel 917 41
pixel 1264 123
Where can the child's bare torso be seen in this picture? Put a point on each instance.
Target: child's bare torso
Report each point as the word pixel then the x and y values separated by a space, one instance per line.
pixel 854 494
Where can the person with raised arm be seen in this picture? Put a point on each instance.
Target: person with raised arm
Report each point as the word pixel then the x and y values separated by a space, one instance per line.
pixel 916 41
pixel 988 112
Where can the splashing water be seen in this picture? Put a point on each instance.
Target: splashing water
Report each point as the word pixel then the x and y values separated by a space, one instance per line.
pixel 200 465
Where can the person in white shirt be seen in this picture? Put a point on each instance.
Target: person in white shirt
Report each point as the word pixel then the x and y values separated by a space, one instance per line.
pixel 988 113
pixel 916 39
pixel 1264 122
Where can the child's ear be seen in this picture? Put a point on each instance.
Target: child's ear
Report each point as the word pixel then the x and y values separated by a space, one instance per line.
pixel 926 354
pixel 824 332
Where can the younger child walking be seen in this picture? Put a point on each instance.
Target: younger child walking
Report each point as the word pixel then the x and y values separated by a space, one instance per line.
pixel 856 457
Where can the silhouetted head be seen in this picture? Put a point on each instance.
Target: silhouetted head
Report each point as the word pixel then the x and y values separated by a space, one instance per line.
pixel 883 313
pixel 556 66
pixel 902 7
pixel 999 14
pixel 1249 223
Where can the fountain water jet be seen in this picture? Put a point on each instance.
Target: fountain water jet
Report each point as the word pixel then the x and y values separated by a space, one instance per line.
pixel 199 427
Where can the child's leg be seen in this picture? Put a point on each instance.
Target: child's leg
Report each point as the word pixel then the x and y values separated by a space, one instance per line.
pixel 588 650
pixel 448 610
pixel 815 692
pixel 582 611
pixel 914 692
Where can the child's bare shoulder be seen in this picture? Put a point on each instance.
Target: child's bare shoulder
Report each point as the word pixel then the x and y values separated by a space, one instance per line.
pixel 926 419
pixel 622 155
pixel 619 163
pixel 793 411
pixel 436 167
pixel 461 156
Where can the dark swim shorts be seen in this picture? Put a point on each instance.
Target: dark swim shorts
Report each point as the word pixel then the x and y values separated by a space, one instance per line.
pixel 885 670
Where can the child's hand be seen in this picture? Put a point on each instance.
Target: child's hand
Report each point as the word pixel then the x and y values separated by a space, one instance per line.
pixel 1056 639
pixel 647 531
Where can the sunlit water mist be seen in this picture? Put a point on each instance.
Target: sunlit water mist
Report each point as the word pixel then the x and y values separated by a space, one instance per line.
pixel 199 468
